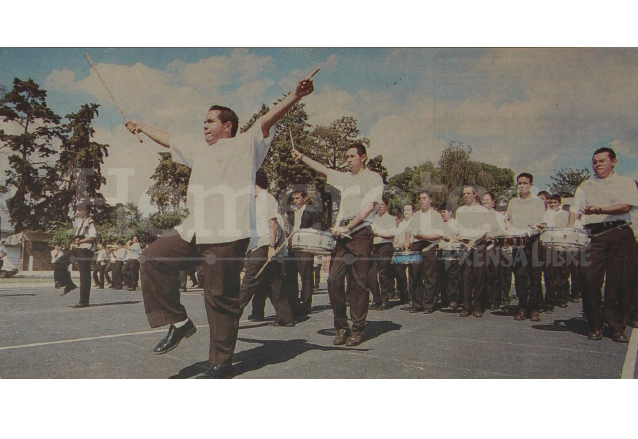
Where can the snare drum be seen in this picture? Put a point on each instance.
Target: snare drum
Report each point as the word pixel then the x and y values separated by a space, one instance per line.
pixel 406 258
pixel 513 241
pixel 451 252
pixel 565 238
pixel 313 242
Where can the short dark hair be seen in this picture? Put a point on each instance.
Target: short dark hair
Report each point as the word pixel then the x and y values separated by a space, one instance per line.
pixel 261 179
pixel 527 175
pixel 407 203
pixel 385 200
pixel 611 152
pixel 543 193
pixel 492 196
pixel 360 147
pixel 303 193
pixel 424 191
pixel 555 197
pixel 227 115
pixel 474 188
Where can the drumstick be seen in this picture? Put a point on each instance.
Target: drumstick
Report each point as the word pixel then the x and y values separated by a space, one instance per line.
pixel 430 246
pixel 276 251
pixel 88 58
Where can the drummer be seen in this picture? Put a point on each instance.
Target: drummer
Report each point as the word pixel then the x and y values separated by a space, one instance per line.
pixel 426 227
pixel 361 191
pixel 449 272
pixel 384 229
pixel 303 216
pixel 557 282
pixel 524 214
pixel 474 227
pixel 401 243
pixel 605 202
pixel 498 274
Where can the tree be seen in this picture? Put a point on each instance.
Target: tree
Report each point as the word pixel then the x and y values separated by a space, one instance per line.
pixel 25 106
pixel 169 191
pixel 566 181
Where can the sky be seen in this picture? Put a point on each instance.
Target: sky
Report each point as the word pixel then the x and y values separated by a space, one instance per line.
pixel 531 110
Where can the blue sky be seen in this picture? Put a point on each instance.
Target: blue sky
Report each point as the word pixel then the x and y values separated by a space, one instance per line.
pixel 533 110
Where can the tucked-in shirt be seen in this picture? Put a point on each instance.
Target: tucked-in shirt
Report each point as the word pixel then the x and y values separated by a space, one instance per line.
pixel 385 224
pixel 221 190
pixel 451 227
pixel 266 209
pixel 603 193
pixel 87 228
pixel 101 256
pixel 119 254
pixel 522 212
pixel 356 191
pixel 426 223
pixel 133 251
pixel 399 237
pixel 55 255
pixel 473 221
pixel 556 218
pixel 298 215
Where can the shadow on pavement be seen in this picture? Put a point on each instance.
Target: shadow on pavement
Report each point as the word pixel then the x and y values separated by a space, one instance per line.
pixel 192 370
pixel 373 329
pixel 577 325
pixel 509 311
pixel 128 302
pixel 15 295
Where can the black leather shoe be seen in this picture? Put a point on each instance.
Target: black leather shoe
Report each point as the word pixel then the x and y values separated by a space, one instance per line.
pixel 217 372
pixel 384 306
pixel 81 305
pixel 67 290
pixel 255 318
pixel 341 337
pixel 414 310
pixel 174 336
pixel 132 289
pixel 453 305
pixel 428 310
pixel 595 335
pixel 355 339
pixel 562 305
pixel 619 337
pixel 464 313
pixel 375 306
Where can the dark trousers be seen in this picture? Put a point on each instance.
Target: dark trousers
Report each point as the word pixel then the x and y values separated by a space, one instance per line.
pixel 109 269
pixel 268 284
pixel 131 272
pixel 498 277
pixel 380 274
pixel 473 268
pixel 117 274
pixel 634 301
pixel 98 274
pixel 83 257
pixel 527 276
pixel 317 271
pixel 449 275
pixel 557 282
pixel 425 276
pixel 402 282
pixel 305 270
pixel 610 258
pixel 354 256
pixel 222 263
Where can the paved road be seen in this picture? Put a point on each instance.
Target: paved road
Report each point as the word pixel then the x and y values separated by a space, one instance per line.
pixel 43 337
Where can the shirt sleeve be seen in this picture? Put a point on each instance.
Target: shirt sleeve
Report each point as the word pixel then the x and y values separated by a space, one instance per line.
pixel 373 189
pixel 579 201
pixel 260 143
pixel 182 151
pixel 629 194
pixel 334 178
pixel 92 231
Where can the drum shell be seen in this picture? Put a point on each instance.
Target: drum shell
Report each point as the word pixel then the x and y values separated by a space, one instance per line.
pixel 313 242
pixel 406 258
pixel 565 238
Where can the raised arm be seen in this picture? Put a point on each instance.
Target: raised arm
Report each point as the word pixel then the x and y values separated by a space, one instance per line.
pixel 304 88
pixel 155 134
pixel 313 164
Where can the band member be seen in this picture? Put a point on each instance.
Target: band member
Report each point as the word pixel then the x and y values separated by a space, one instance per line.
pixel 303 216
pixel 56 254
pixel 101 259
pixel 361 191
pixel 384 228
pixel 524 214
pixel 426 227
pixel 269 282
pixel 633 320
pixel 543 260
pixel 318 262
pixel 82 253
pixel 401 243
pixel 474 227
pixel 604 201
pixel 131 268
pixel 450 271
pixel 557 279
pixel 117 262
pixel 222 174
pixel 498 277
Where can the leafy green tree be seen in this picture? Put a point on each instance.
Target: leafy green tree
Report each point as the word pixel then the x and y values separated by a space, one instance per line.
pixel 31 150
pixel 567 180
pixel 169 191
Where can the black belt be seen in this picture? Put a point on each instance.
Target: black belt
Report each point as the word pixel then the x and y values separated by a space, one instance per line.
pixel 603 227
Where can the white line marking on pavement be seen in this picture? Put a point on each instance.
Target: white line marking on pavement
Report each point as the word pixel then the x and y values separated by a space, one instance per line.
pixel 629 367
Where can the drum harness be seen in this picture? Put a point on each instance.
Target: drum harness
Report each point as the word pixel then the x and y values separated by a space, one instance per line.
pixel 604 232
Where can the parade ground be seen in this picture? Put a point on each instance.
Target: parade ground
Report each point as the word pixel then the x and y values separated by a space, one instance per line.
pixel 44 337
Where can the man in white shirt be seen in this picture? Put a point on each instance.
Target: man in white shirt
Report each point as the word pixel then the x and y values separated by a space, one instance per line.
pixel 101 259
pixel 82 253
pixel 474 227
pixel 380 278
pixel 557 278
pixel 269 238
pixel 361 191
pixel 400 243
pixel 131 268
pixel 498 277
pixel 56 254
pixel 218 231
pixel 524 214
pixel 449 272
pixel 426 226
pixel 605 202
pixel 117 261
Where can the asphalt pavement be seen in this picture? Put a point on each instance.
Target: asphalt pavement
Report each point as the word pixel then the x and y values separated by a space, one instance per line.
pixel 44 337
